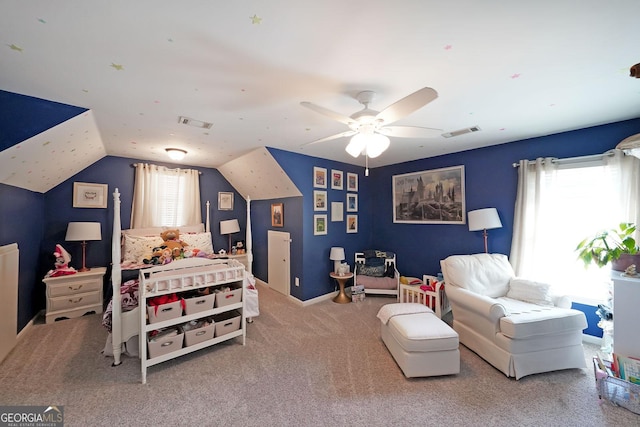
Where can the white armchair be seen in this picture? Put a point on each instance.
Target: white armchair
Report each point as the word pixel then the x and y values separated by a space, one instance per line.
pixel 516 325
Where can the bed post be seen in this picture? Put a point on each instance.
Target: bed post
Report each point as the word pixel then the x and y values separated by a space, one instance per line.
pixel 208 224
pixel 116 281
pixel 249 242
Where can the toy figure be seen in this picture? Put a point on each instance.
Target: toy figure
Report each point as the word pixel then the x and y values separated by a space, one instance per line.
pixel 61 264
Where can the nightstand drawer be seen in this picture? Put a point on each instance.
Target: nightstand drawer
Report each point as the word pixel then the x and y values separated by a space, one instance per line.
pixel 73 287
pixel 74 301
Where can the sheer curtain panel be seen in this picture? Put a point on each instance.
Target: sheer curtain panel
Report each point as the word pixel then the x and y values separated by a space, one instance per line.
pixel 165 197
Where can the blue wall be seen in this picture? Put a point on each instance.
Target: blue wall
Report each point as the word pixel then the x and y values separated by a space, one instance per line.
pixel 314 250
pixel 37 222
pixel 490 181
pixel 25 116
pixel 22 221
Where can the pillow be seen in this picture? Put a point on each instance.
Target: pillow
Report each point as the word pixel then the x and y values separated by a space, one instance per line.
pixel 373 271
pixel 374 262
pixel 149 231
pixel 190 229
pixel 200 241
pixel 529 291
pixel 137 248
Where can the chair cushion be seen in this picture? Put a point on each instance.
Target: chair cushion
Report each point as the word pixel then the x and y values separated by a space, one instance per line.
pixel 422 332
pixel 484 274
pixel 528 320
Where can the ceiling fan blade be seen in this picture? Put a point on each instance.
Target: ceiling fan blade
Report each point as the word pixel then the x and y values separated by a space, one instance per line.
pixel 331 114
pixel 410 131
pixel 329 138
pixel 407 105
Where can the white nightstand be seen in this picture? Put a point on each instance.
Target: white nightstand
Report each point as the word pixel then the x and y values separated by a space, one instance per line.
pixel 74 295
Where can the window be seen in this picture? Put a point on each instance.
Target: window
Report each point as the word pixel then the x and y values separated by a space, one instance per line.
pixel 562 203
pixel 165 197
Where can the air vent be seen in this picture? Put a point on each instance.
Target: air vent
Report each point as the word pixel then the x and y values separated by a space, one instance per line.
pixel 461 132
pixel 195 123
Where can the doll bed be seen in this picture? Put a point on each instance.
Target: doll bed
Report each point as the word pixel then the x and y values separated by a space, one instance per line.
pixel 124 321
pixel 376 271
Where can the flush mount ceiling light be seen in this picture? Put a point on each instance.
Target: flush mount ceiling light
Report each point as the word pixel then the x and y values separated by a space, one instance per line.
pixel 175 153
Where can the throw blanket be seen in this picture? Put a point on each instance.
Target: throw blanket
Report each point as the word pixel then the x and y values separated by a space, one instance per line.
pixel 129 301
pixel 390 310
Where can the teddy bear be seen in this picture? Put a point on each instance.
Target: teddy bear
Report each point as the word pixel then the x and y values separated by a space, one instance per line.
pixel 172 242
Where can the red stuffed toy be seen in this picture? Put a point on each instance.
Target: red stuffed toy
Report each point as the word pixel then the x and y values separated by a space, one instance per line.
pixel 61 264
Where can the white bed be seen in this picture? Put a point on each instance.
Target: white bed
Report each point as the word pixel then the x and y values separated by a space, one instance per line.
pixel 384 282
pixel 126 325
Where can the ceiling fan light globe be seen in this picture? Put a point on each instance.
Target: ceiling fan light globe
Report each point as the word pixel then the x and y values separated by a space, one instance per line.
pixel 376 145
pixel 356 145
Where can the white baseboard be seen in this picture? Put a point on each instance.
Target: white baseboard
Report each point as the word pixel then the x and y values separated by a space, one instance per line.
pixel 591 339
pixel 28 326
pixel 300 302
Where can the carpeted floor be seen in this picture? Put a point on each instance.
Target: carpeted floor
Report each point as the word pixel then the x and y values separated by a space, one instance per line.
pixel 322 365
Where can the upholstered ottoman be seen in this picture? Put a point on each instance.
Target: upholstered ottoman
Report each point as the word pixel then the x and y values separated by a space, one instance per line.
pixel 421 344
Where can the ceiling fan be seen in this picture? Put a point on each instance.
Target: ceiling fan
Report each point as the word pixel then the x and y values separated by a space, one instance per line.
pixel 370 129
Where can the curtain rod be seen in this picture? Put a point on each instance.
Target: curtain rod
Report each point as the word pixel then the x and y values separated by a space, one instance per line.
pixel 578 159
pixel 135 165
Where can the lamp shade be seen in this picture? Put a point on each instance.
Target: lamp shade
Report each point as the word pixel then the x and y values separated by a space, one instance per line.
pixel 484 219
pixel 336 254
pixel 229 226
pixel 83 231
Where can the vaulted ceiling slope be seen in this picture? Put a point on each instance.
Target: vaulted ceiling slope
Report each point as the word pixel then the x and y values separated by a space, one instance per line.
pixel 45 160
pixel 259 176
pixel 516 70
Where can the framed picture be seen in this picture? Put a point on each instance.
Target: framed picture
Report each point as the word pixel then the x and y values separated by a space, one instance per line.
pixel 336 179
pixel 277 214
pixel 225 201
pixel 319 177
pixel 319 225
pixel 337 211
pixel 88 195
pixel 430 197
pixel 352 223
pixel 352 202
pixel 352 181
pixel 319 200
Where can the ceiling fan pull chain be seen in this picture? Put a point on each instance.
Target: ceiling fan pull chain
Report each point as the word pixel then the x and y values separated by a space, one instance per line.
pixel 366 163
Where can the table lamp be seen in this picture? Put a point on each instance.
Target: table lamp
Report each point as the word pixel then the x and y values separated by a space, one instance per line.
pixel 336 255
pixel 484 219
pixel 229 227
pixel 81 232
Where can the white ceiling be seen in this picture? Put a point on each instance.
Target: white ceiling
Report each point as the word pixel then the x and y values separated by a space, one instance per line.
pixel 515 69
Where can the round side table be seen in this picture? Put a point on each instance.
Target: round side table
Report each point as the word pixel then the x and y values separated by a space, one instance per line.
pixel 342 297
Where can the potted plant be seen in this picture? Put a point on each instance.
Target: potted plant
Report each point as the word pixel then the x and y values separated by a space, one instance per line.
pixel 615 246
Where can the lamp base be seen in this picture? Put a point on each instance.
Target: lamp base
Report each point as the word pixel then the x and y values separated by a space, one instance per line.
pixel 84 258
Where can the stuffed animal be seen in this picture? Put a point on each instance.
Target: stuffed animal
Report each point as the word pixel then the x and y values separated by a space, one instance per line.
pixel 173 243
pixel 61 264
pixel 156 254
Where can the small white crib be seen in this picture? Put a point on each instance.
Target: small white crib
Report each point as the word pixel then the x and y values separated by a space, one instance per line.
pixel 436 300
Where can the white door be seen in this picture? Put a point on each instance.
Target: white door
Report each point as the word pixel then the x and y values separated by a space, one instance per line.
pixel 279 261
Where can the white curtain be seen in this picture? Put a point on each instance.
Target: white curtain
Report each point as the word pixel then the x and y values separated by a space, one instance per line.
pixel 558 204
pixel 530 212
pixel 165 197
pixel 626 179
